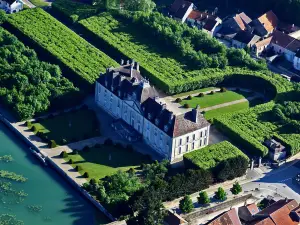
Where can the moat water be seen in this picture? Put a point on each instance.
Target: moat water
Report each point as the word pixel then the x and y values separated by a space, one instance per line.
pixel 51 200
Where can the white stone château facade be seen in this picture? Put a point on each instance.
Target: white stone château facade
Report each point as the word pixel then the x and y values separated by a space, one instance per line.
pixel 126 95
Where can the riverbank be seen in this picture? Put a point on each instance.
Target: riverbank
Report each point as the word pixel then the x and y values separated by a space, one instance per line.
pixel 52 156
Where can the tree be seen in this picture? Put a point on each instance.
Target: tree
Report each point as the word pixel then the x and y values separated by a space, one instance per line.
pixel 52 144
pixel 220 194
pixel 3 16
pixel 139 5
pixel 232 168
pixel 155 170
pixel 203 198
pixel 236 188
pixel 186 204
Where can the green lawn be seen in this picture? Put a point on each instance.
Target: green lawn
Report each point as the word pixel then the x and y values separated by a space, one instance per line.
pixel 71 126
pixel 194 92
pixel 215 99
pixel 227 109
pixel 39 3
pixel 96 161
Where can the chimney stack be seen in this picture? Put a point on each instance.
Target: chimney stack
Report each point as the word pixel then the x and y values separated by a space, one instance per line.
pixel 138 66
pixel 122 62
pixel 127 62
pixel 131 70
pixel 195 113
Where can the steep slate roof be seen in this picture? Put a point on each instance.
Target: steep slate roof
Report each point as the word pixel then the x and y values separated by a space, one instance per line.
pixel 246 19
pixel 287 28
pixel 179 8
pixel 285 41
pixel 228 218
pixel 123 83
pixel 178 125
pixel 209 20
pixel 246 37
pixel 10 2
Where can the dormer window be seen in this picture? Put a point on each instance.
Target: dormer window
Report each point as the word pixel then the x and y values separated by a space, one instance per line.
pixel 166 128
pixel 105 83
pixel 112 88
pixel 149 116
pixel 119 93
pixel 156 121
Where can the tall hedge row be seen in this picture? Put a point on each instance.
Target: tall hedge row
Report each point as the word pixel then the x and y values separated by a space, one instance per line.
pixel 82 61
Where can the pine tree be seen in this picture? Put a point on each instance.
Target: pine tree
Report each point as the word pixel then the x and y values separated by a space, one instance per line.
pixel 236 188
pixel 203 198
pixel 186 205
pixel 220 194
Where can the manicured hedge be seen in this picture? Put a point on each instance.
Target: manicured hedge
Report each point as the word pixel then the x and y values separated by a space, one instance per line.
pixel 210 157
pixel 123 40
pixel 83 60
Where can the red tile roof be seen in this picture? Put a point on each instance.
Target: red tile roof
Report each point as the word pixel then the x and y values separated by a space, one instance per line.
pixel 228 218
pixel 239 21
pixel 269 20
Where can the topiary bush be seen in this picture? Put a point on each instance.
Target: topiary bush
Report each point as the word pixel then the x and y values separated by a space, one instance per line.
pixel 28 124
pixel 52 144
pixel 223 89
pixel 75 152
pixel 70 161
pixel 189 97
pixel 63 154
pixel 34 128
pixel 86 175
pixel 78 168
pixel 201 94
pixel 178 100
pixel 186 106
pixel 212 92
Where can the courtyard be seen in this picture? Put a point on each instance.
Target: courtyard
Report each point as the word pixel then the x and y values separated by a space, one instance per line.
pixel 106 160
pixel 68 127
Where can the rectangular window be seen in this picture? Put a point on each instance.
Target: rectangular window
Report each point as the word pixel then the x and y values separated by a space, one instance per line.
pixel 201 134
pixel 193 146
pixel 180 141
pixel 194 136
pixel 205 133
pixel 200 144
pixel 179 150
pixel 187 148
pixel 187 139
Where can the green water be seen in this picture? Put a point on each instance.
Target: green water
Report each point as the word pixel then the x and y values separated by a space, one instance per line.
pixel 59 203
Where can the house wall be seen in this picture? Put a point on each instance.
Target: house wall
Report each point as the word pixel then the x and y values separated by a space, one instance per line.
pixel 189 142
pixel 289 55
pixel 237 44
pixel 170 148
pixel 296 63
pixel 15 7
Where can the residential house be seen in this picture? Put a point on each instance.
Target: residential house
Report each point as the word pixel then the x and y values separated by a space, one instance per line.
pixel 204 21
pixel 233 24
pixel 128 97
pixel 282 212
pixel 265 24
pixel 261 46
pixel 246 212
pixel 11 6
pixel 244 39
pixel 276 150
pixel 181 9
pixel 296 61
pixel 228 218
pixel 290 29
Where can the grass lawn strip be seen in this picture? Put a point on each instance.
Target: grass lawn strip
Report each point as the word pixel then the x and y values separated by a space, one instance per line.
pixel 227 109
pixel 107 160
pixel 71 126
pixel 214 99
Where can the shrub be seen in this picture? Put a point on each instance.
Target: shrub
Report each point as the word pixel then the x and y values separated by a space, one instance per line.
pixel 189 97
pixel 108 142
pixel 203 198
pixel 223 89
pixel 236 188
pixel 93 181
pixel 220 194
pixel 131 171
pixel 63 154
pixel 70 161
pixel 178 100
pixel 63 141
pixel 86 175
pixel 28 124
pixel 34 128
pixel 201 94
pixel 186 205
pixel 224 159
pixel 186 106
pixel 52 144
pixel 212 92
pixel 39 134
pixel 78 168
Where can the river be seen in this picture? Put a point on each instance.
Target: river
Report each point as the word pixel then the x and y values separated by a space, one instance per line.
pixel 51 200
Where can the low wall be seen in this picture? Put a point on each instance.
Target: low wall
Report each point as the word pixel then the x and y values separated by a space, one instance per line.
pixel 221 206
pixel 58 169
